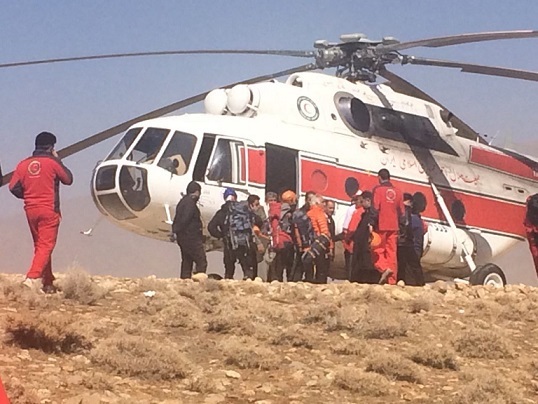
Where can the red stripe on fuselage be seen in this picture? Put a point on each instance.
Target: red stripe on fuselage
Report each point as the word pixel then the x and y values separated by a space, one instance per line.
pixel 256 165
pixel 481 211
pixel 484 212
pixel 502 162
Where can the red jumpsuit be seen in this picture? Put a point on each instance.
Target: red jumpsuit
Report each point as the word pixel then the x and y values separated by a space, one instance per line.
pixel 388 205
pixel 36 180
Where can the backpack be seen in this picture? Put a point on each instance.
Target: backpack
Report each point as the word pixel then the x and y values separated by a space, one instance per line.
pixel 280 222
pixel 303 226
pixel 238 223
pixel 532 209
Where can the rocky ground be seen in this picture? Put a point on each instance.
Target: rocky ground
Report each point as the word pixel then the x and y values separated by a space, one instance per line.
pixel 111 340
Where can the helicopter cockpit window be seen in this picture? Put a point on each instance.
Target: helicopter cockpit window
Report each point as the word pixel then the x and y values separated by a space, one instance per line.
pixel 148 146
pixel 177 156
pixel 124 144
pixel 227 162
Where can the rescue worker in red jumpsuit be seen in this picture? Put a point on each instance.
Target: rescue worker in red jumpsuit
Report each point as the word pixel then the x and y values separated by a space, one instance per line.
pixel 531 227
pixel 36 180
pixel 387 209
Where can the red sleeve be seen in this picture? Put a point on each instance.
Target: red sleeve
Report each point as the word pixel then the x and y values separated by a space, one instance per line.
pixel 15 184
pixel 63 173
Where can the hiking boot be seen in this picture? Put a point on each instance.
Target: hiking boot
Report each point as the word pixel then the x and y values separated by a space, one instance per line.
pixel 50 289
pixel 384 276
pixel 34 284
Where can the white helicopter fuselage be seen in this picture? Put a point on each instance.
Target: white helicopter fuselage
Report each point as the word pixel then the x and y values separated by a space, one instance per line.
pixel 321 133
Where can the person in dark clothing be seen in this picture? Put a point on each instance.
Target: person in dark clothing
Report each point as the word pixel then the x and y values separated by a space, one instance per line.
pixel 219 227
pixel 531 227
pixel 257 248
pixel 362 266
pixel 409 268
pixel 187 227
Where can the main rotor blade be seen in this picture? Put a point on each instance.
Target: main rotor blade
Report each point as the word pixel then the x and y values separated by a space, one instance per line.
pixel 472 68
pixel 292 53
pixel 460 39
pixel 401 85
pixel 122 127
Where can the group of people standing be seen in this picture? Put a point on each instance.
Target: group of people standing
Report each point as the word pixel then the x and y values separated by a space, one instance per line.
pixel 382 235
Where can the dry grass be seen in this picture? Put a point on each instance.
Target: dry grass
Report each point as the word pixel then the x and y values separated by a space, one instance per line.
pixel 201 384
pixel 140 357
pixel 480 343
pixel 229 322
pixel 180 315
pixel 77 285
pixel 383 323
pixel 434 356
pixel 489 387
pixel 18 394
pixel 362 383
pixel 243 353
pixel 351 347
pixel 420 303
pixel 45 333
pixel 394 367
pixel 294 336
pixel 375 295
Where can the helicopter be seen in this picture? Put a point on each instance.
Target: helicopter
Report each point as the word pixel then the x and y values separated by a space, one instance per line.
pixel 329 134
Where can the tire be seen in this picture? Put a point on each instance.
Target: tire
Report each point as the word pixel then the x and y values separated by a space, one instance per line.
pixel 488 274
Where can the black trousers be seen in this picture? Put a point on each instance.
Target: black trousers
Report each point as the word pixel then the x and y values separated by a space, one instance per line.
pixel 192 252
pixel 348 259
pixel 317 270
pixel 243 254
pixel 409 268
pixel 283 263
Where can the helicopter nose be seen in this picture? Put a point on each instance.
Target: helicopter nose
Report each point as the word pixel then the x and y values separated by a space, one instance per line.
pixel 120 191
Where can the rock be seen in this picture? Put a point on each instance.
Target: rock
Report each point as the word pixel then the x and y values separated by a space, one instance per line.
pixel 266 388
pixel 480 293
pixel 214 399
pixel 440 286
pixel 327 292
pixel 249 393
pixel 401 284
pixel 461 286
pixel 399 294
pixel 258 280
pixel 232 374
pixel 199 277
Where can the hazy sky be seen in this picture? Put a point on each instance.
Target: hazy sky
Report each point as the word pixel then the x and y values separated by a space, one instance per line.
pixel 75 100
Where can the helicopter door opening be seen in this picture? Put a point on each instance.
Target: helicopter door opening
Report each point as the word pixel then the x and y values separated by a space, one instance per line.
pixel 280 169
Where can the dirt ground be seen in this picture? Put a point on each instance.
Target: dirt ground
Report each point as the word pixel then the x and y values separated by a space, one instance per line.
pixel 147 340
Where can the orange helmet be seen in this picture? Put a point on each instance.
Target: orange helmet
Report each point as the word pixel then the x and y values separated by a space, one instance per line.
pixel 289 197
pixel 375 240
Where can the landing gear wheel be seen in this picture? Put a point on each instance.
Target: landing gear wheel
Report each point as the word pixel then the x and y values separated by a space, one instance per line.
pixel 488 274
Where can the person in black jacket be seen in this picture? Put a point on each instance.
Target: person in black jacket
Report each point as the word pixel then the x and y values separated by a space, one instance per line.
pixel 187 227
pixel 218 227
pixel 409 268
pixel 362 265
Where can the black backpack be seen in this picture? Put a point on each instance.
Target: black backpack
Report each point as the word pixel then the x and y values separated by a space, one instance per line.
pixel 238 223
pixel 303 225
pixel 532 209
